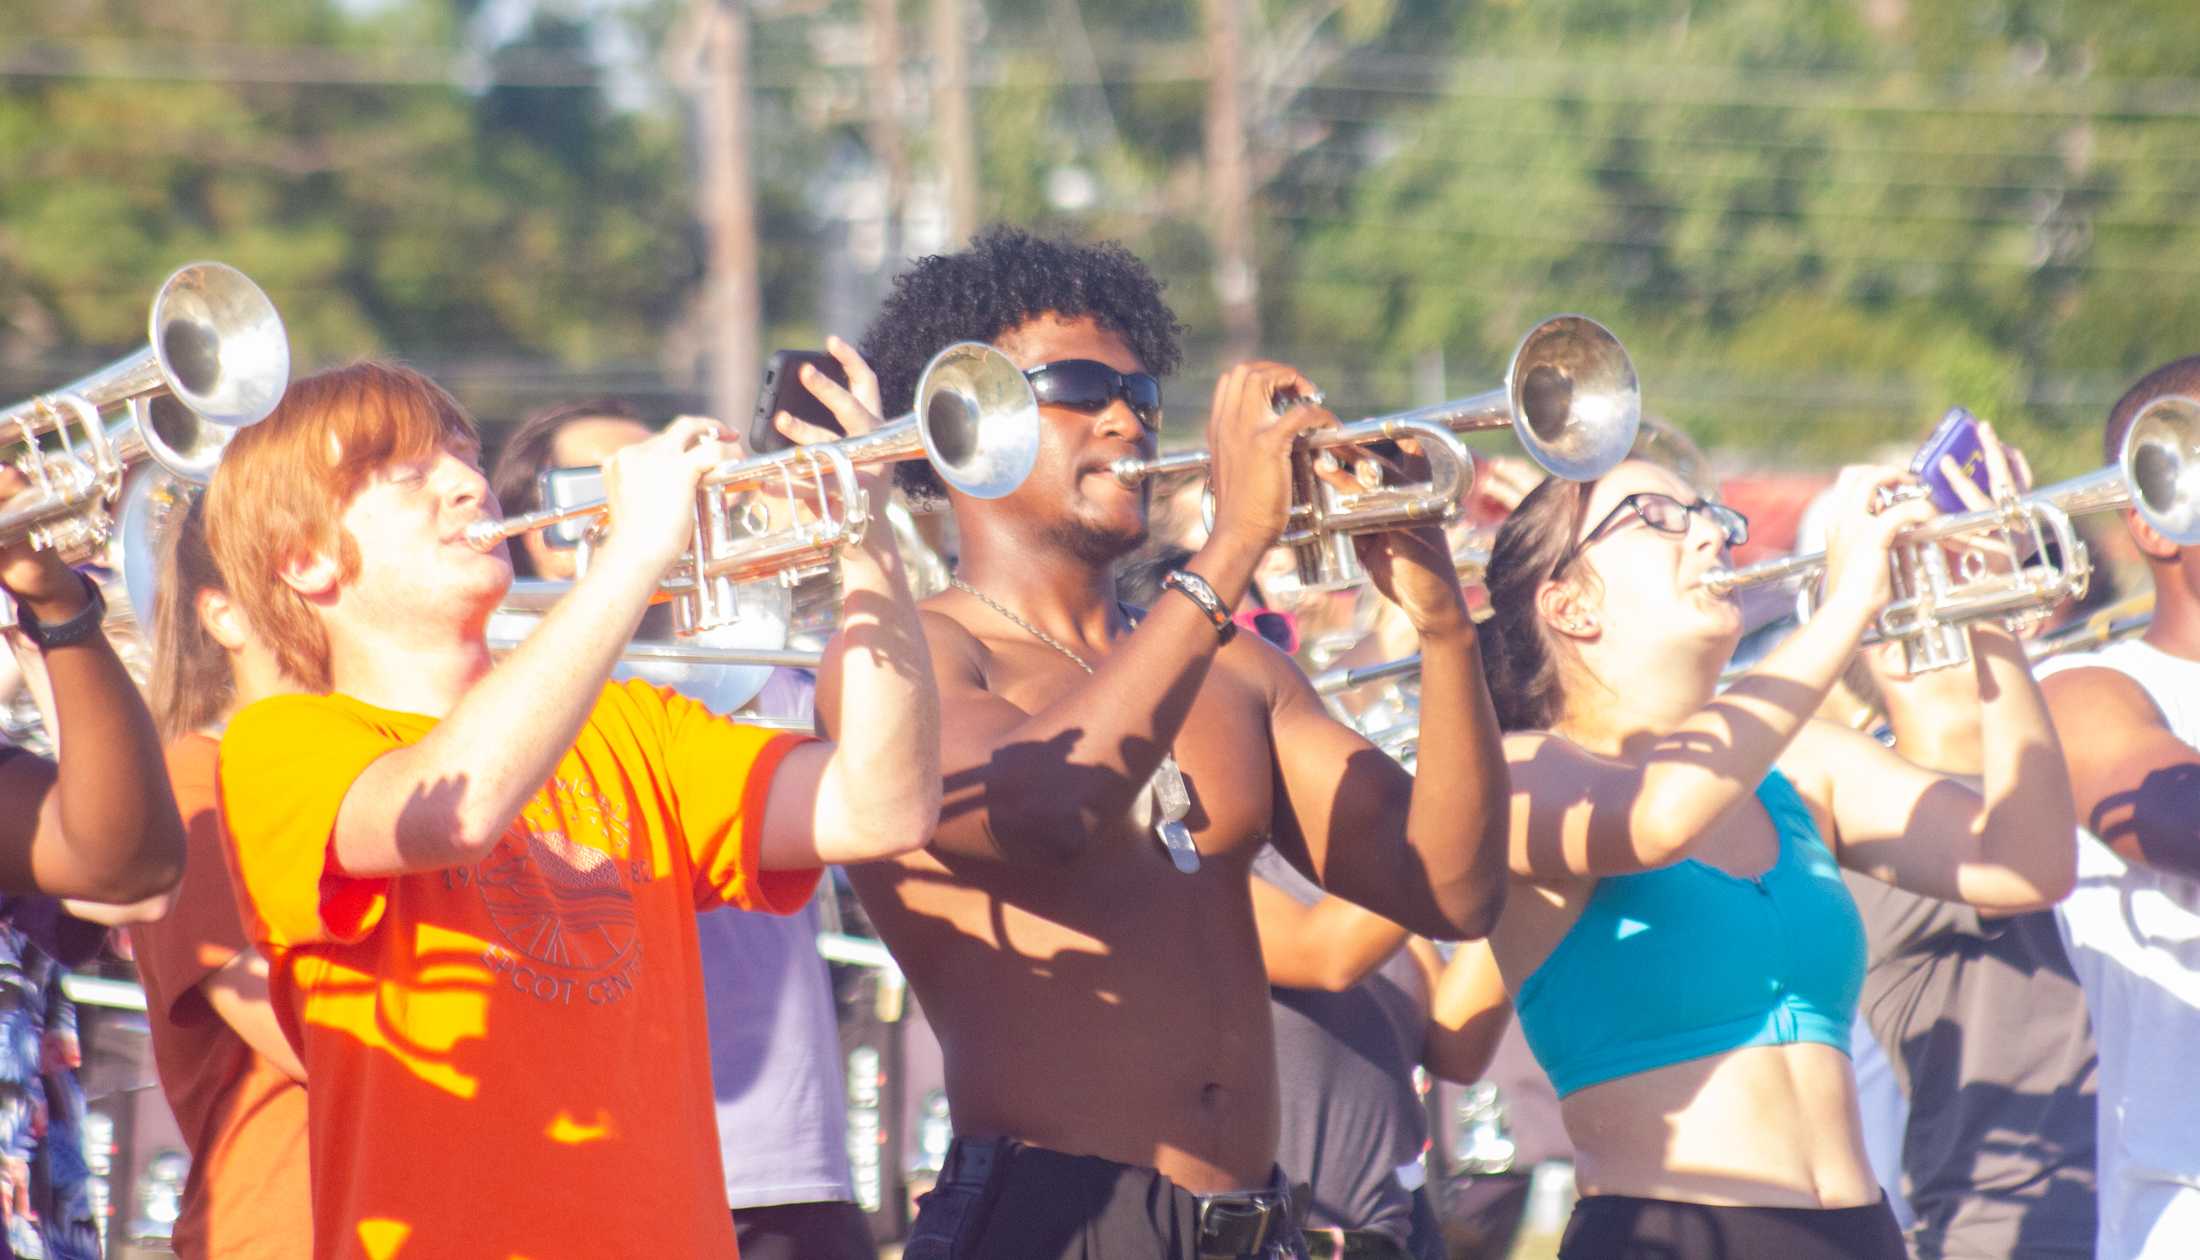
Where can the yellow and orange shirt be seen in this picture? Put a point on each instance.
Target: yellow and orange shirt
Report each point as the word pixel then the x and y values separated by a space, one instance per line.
pixel 508 1059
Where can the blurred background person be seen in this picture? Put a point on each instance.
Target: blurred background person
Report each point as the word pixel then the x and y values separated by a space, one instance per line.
pixel 774 1030
pixel 230 1072
pixel 1359 1005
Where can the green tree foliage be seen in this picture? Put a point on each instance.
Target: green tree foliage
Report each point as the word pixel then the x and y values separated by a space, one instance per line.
pixel 344 156
pixel 1816 226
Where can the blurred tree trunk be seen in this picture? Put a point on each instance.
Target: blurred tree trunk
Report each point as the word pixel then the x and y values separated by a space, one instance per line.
pixel 957 138
pixel 733 305
pixel 885 122
pixel 1229 181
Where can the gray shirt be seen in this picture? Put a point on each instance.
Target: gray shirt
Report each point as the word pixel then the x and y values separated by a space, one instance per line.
pixel 1985 1027
pixel 1351 1118
pixel 774 1033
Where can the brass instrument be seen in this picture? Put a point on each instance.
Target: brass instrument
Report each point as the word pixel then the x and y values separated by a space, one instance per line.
pixel 218 360
pixel 2113 624
pixel 2157 475
pixel 1570 396
pixel 976 419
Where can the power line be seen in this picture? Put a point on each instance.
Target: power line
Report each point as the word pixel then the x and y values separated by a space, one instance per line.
pixel 1759 248
pixel 1700 172
pixel 1725 209
pixel 1422 126
pixel 1411 75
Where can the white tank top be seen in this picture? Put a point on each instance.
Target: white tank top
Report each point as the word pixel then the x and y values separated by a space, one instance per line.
pixel 2134 940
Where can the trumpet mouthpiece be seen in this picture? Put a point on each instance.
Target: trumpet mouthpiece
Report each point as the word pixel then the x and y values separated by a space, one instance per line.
pixel 485 535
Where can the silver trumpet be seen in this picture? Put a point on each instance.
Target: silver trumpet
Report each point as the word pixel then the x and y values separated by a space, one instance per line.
pixel 2157 475
pixel 976 419
pixel 1570 396
pixel 217 360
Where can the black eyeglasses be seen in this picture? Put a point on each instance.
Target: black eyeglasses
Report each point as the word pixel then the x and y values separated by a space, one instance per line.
pixel 1088 385
pixel 1665 514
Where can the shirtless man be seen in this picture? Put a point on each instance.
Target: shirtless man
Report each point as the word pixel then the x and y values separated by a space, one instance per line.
pixel 1103 1013
pixel 2130 718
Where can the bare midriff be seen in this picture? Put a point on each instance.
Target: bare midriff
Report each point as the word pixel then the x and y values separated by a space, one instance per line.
pixel 1766 1126
pixel 1107 1004
pixel 1108 1007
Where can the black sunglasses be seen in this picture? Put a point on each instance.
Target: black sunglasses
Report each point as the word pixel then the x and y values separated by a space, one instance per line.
pixel 1665 514
pixel 1088 385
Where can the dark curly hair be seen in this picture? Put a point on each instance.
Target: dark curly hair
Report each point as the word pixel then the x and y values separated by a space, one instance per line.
pixel 1006 278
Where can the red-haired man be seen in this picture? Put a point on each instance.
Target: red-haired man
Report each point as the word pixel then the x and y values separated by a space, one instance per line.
pixel 476 882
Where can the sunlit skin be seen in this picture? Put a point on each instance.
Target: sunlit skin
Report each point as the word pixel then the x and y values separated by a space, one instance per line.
pixel 1088 996
pixel 1646 768
pixel 2137 783
pixel 410 622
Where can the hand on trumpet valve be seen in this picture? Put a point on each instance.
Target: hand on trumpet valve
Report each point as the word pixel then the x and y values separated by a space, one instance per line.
pixel 1413 569
pixel 37 577
pixel 1860 532
pixel 1251 443
pixel 649 490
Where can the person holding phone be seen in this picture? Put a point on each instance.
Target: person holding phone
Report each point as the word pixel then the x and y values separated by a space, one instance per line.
pixel 1682 954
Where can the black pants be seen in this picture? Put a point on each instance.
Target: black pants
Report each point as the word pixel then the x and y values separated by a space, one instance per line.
pixel 1620 1227
pixel 1022 1202
pixel 804 1231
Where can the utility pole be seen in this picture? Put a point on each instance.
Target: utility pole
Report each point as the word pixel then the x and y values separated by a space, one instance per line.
pixel 885 128
pixel 955 135
pixel 1230 181
pixel 733 301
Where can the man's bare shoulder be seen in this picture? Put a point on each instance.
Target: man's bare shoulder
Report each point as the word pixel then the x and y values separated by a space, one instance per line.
pixel 949 635
pixel 2086 698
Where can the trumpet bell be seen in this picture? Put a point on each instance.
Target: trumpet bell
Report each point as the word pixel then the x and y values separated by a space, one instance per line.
pixel 145 516
pixel 978 419
pixel 2161 457
pixel 219 344
pixel 1574 398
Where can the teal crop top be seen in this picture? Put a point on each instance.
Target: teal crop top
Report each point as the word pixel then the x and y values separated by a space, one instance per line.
pixel 1687 961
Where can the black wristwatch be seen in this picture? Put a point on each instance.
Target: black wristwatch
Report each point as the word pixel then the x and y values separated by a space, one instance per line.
pixel 88 621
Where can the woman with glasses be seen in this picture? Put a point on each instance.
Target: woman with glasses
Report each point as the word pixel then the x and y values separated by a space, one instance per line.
pixel 1683 956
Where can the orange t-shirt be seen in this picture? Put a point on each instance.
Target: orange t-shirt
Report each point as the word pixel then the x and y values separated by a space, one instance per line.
pixel 243 1120
pixel 509 1059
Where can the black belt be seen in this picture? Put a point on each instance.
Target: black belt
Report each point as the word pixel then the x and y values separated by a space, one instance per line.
pixel 1242 1223
pixel 1235 1225
pixel 1354 1244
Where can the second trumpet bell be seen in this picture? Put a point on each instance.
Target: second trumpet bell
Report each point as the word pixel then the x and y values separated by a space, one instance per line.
pixel 1570 397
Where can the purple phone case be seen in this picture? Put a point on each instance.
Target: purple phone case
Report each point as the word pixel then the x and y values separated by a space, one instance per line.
pixel 1957 438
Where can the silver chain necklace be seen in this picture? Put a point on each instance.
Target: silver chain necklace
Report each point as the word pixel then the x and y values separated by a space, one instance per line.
pixel 1172 801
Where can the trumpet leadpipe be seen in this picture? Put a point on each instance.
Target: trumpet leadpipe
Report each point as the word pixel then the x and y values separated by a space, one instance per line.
pixel 1331 681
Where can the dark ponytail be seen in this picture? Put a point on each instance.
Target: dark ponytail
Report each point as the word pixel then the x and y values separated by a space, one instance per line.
pixel 1518 653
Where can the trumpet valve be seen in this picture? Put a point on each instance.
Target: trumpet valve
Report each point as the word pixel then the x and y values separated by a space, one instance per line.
pixel 76 537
